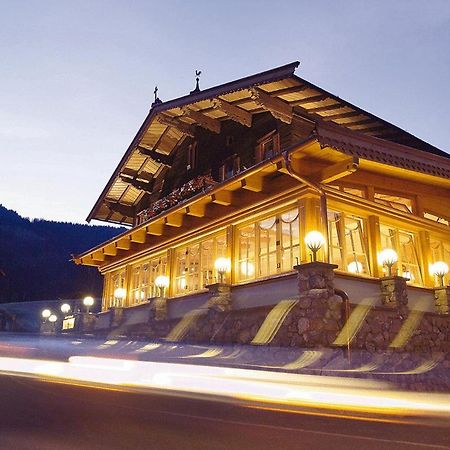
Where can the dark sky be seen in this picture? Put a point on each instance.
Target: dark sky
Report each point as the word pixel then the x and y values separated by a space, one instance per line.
pixel 77 77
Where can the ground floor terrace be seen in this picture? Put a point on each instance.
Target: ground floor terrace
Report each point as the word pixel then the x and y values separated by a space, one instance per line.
pixel 267 242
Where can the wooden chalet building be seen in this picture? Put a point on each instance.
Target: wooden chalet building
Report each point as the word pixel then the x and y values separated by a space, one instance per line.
pixel 244 171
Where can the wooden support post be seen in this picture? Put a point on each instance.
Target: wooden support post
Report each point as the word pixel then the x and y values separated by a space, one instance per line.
pixel 425 257
pixel 374 238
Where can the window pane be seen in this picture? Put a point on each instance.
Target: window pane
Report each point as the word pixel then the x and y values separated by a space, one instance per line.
pixel 246 260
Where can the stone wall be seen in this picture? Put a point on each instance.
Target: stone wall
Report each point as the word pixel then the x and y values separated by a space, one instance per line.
pixel 316 318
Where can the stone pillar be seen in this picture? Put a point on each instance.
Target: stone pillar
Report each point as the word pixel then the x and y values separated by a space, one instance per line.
pixel 85 322
pixel 319 308
pixel 394 292
pixel 442 299
pixel 160 308
pixel 117 316
pixel 220 297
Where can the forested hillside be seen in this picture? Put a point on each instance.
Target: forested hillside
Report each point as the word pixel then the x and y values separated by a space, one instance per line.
pixel 35 258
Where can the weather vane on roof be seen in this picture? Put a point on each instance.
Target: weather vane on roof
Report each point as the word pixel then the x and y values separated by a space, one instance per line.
pixel 156 101
pixel 197 80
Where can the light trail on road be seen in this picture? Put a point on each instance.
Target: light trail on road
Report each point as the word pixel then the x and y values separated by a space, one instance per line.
pixel 242 385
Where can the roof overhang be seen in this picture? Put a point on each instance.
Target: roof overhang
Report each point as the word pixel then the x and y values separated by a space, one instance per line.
pixel 277 91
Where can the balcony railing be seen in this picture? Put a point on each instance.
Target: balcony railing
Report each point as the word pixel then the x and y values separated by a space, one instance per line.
pixel 202 183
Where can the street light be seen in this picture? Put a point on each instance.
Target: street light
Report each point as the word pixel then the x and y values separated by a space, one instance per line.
pixel 46 313
pixel 222 265
pixel 52 318
pixel 162 282
pixel 314 240
pixel 88 302
pixel 65 308
pixel 439 269
pixel 388 258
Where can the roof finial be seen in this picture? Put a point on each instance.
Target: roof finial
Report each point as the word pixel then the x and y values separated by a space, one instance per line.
pixel 197 79
pixel 156 101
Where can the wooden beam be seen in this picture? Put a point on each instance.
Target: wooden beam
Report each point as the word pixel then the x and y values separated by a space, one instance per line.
pixel 196 210
pixel 233 112
pixel 126 210
pixel 156 229
pixel 124 244
pixel 336 171
pixel 341 115
pixel 174 220
pixel 139 236
pixel 98 256
pixel 289 90
pixel 254 183
pixel 277 107
pixel 314 99
pixel 146 186
pixel 174 122
pixel 110 250
pixel 223 198
pixel 324 108
pixel 160 158
pixel 203 120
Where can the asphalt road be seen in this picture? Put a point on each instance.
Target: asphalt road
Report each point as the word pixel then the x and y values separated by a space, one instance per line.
pixel 46 415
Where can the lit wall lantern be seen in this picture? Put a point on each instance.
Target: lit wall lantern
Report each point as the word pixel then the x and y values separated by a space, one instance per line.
pixel 439 269
pixel 388 257
pixel 222 265
pixel 52 318
pixel 247 268
pixel 355 267
pixel 162 282
pixel 120 293
pixel 65 308
pixel 88 302
pixel 46 313
pixel 314 240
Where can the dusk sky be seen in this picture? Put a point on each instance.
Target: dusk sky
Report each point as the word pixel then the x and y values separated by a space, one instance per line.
pixel 77 77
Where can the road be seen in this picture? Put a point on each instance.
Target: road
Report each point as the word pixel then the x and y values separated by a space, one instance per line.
pixel 38 414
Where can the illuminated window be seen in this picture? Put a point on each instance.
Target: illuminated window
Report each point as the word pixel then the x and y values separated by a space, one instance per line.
pixel 347 242
pixel 267 146
pixel 194 264
pixel 437 218
pixel 117 281
pixel 143 279
pixel 405 244
pixel 440 250
pixel 394 201
pixel 268 246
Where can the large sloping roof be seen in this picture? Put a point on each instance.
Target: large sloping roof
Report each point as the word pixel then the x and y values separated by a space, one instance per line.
pixel 278 91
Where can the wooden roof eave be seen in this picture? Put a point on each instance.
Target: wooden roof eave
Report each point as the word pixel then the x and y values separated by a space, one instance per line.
pixel 224 186
pixel 263 77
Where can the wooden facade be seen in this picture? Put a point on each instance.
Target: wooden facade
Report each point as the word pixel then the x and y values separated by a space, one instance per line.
pixel 245 170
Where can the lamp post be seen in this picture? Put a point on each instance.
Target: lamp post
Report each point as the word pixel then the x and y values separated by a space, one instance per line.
pixel 53 318
pixel 222 265
pixel 439 269
pixel 46 313
pixel 388 257
pixel 88 302
pixel 162 282
pixel 65 308
pixel 120 293
pixel 314 240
